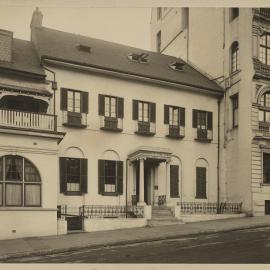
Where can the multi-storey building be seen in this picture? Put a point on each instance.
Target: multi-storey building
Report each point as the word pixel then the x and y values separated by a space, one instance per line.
pixel 232 46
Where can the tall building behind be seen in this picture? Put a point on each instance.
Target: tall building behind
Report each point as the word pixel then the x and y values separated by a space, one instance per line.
pixel 232 47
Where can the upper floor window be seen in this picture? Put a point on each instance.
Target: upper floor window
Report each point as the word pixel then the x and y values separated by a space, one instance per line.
pixel 175 117
pixel 111 110
pixel 110 175
pixel 74 104
pixel 159 13
pixel 158 41
pixel 235 57
pixel 145 113
pixel 234 13
pixel 73 175
pixel 202 120
pixel 20 182
pixel 234 100
pixel 264 53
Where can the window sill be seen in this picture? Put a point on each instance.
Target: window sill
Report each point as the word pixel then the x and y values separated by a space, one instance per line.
pixel 145 133
pixel 110 194
pixel 175 136
pixel 74 125
pixel 266 184
pixel 112 129
pixel 73 193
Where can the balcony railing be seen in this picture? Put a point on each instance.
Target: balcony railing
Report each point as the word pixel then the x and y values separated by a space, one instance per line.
pixel 175 131
pixel 204 134
pixel 209 208
pixel 145 128
pixel 264 127
pixel 112 211
pixel 74 119
pixel 111 123
pixel 27 120
pixel 265 12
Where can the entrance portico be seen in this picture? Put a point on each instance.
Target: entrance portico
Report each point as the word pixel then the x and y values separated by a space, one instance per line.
pixel 145 176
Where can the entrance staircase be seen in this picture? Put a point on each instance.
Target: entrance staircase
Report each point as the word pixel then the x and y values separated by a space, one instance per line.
pixel 161 216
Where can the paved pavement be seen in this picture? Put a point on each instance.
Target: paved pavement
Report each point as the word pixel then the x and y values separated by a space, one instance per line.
pixel 241 246
pixel 70 242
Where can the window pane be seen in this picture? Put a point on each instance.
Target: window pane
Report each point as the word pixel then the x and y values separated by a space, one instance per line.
pixel 113 107
pixel 13 167
pixel 140 111
pixel 32 195
pixel 267 117
pixel 175 117
pixel 170 115
pixel 30 172
pixel 1 194
pixel 110 176
pixel 107 106
pixel 145 112
pixel 70 101
pixel 77 96
pixel 13 194
pixel 73 170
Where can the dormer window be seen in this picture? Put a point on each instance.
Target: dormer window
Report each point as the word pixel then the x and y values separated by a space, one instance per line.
pixel 84 48
pixel 138 57
pixel 177 66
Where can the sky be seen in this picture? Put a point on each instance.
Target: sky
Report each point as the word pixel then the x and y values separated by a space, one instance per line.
pixel 125 25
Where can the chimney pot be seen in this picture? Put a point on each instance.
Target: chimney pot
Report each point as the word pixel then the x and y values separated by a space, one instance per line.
pixel 36 18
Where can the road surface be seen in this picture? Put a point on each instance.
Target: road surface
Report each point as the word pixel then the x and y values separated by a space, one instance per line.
pixel 243 246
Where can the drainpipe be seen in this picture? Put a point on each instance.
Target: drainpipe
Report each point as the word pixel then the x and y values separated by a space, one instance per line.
pixel 54 88
pixel 218 158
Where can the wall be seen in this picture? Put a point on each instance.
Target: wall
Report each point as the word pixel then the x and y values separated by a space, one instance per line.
pixel 93 142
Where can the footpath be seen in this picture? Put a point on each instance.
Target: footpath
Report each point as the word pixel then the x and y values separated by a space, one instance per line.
pixel 55 244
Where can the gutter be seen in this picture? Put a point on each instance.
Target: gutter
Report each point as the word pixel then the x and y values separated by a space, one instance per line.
pixel 113 72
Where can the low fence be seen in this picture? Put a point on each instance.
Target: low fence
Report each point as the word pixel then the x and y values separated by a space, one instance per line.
pixel 112 211
pixel 209 208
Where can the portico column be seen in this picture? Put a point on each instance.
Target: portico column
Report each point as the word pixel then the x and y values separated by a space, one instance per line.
pixel 130 181
pixel 168 195
pixel 141 193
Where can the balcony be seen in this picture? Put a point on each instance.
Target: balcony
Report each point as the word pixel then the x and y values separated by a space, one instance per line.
pixel 204 135
pixel 74 119
pixel 27 120
pixel 265 12
pixel 111 124
pixel 145 128
pixel 175 132
pixel 263 130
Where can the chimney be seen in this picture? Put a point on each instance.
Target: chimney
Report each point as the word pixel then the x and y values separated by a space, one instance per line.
pixel 6 40
pixel 36 18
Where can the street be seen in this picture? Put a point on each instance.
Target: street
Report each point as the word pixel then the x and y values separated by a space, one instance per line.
pixel 243 246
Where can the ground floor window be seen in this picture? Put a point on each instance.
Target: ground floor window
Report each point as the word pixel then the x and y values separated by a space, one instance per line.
pixel 174 181
pixel 20 182
pixel 266 168
pixel 201 183
pixel 73 175
pixel 267 207
pixel 110 177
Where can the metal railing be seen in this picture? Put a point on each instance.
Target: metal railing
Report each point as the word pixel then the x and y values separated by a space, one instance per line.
pixel 27 120
pixel 209 208
pixel 112 211
pixel 111 123
pixel 265 12
pixel 175 131
pixel 204 134
pixel 147 128
pixel 264 127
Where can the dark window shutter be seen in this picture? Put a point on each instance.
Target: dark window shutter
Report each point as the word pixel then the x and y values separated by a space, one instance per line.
pixel 119 177
pixel 174 180
pixel 101 176
pixel 166 114
pixel 84 102
pixel 101 105
pixel 63 174
pixel 209 120
pixel 200 182
pixel 135 110
pixel 63 99
pixel 84 172
pixel 194 119
pixel 120 107
pixel 182 117
pixel 153 112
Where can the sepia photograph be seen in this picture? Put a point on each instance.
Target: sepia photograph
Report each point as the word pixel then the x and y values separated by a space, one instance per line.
pixel 134 133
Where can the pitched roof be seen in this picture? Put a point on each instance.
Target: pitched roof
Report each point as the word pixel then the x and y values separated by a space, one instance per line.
pixel 63 46
pixel 24 58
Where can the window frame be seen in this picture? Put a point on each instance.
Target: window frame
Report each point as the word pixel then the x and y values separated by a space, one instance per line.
pixel 264 49
pixel 74 92
pixel 158 41
pixel 204 196
pixel 22 183
pixel 235 110
pixel 263 169
pixel 110 106
pixel 263 108
pixel 235 57
pixel 144 103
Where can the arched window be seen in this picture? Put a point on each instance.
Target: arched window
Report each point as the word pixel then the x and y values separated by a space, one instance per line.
pixel 264 111
pixel 264 53
pixel 235 57
pixel 20 182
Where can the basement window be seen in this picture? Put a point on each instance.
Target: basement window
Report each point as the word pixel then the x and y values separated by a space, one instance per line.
pixel 138 57
pixel 177 66
pixel 84 48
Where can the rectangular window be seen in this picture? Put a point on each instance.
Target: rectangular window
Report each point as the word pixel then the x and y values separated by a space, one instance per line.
pixel 266 168
pixel 110 174
pixel 143 111
pixel 174 116
pixel 234 100
pixel 13 194
pixel 32 195
pixel 74 101
pixel 110 106
pixel 201 120
pixel 201 183
pixel 159 13
pixel 158 41
pixel 174 181
pixel 73 175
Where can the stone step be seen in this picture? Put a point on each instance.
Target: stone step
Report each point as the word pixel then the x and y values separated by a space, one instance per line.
pixel 161 213
pixel 163 217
